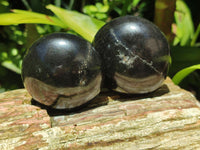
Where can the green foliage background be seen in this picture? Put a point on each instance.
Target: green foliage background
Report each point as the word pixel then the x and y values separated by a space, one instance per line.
pixel 24 21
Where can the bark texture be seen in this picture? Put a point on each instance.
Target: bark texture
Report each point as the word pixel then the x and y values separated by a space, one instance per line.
pixel 168 118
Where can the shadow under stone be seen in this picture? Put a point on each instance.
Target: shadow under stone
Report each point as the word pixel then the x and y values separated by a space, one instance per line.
pixel 101 100
pixel 59 112
pixel 157 93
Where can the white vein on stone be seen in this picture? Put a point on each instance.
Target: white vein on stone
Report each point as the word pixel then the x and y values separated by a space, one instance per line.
pixel 125 59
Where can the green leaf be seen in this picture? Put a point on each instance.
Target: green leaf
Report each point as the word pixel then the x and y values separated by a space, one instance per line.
pixel 90 8
pixel 9 65
pixel 183 73
pixel 80 23
pixel 184 24
pixel 104 9
pixel 135 3
pixel 196 34
pixel 23 17
pixel 101 16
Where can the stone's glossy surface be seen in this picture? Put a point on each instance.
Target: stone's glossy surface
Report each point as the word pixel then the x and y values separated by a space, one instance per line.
pixel 62 71
pixel 135 54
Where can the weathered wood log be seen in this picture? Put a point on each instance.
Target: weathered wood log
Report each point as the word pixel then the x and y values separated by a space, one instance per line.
pixel 168 118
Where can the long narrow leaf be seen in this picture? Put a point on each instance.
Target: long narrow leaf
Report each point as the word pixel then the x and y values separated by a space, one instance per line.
pixel 23 17
pixel 9 65
pixel 80 23
pixel 183 73
pixel 196 35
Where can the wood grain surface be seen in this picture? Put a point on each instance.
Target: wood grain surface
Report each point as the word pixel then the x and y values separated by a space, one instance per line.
pixel 168 118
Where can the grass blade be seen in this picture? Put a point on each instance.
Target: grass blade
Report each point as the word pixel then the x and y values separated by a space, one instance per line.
pixel 11 66
pixel 183 73
pixel 196 34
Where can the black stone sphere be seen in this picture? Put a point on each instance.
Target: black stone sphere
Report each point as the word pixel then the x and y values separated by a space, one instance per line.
pixel 62 71
pixel 135 54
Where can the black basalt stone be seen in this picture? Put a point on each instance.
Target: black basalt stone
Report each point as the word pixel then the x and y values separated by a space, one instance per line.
pixel 135 54
pixel 62 71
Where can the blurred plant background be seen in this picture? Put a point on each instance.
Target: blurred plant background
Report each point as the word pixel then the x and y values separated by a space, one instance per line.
pixel 178 19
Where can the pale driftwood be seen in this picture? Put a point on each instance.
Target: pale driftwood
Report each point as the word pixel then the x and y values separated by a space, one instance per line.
pixel 166 119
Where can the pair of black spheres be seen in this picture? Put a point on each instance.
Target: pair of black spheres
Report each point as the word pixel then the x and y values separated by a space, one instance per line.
pixel 64 71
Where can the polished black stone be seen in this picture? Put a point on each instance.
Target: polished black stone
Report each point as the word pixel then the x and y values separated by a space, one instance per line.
pixel 62 70
pixel 135 54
